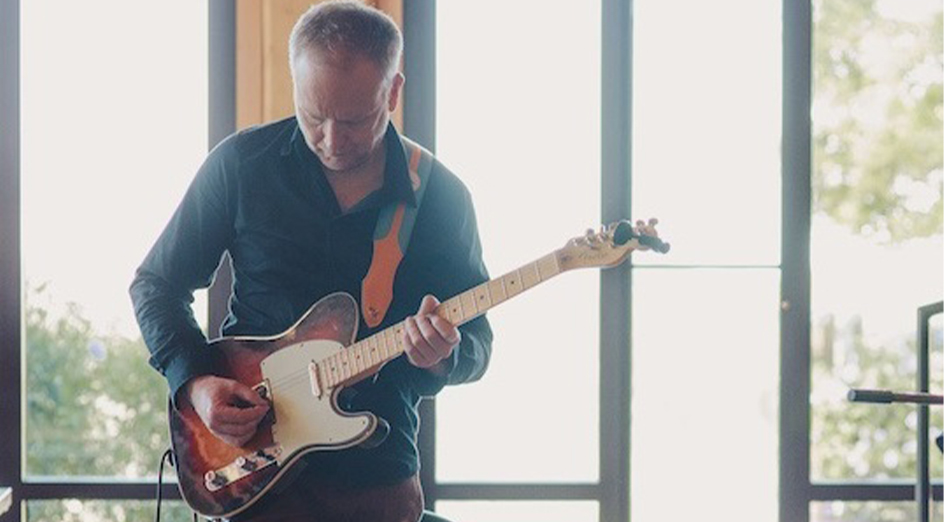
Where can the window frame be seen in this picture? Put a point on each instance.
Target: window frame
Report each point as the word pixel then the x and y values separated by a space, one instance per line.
pixel 612 491
pixel 222 122
pixel 797 490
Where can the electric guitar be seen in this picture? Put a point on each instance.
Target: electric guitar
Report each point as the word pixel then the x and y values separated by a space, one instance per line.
pixel 302 370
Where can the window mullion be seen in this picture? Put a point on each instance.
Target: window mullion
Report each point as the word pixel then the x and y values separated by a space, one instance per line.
pixel 11 407
pixel 615 290
pixel 795 490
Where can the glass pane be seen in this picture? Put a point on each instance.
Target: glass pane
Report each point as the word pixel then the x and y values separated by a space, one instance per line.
pixel 877 249
pixel 706 128
pixel 705 394
pixel 502 137
pixel 840 511
pixel 73 510
pixel 518 511
pixel 120 94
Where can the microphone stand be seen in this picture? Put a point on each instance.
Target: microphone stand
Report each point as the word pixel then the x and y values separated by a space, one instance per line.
pixel 889 397
pixel 923 399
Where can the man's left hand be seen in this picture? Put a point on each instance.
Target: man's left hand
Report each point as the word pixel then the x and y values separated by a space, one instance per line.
pixel 429 338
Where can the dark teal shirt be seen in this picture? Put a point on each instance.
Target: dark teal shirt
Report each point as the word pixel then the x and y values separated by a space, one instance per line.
pixel 261 196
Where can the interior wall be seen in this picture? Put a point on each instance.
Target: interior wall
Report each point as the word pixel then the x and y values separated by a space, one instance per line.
pixel 263 79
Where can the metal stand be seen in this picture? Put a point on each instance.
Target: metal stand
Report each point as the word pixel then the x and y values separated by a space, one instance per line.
pixel 922 398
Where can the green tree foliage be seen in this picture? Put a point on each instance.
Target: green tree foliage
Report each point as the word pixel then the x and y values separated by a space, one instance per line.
pixel 94 408
pixel 865 441
pixel 74 510
pixel 878 143
pixel 877 170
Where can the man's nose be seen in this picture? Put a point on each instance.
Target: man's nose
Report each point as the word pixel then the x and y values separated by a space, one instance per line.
pixel 331 136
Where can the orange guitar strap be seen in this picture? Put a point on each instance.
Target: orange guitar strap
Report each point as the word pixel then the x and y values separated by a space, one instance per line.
pixel 392 237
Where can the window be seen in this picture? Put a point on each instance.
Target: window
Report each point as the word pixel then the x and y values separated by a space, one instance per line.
pixel 876 245
pixel 107 123
pixel 113 128
pixel 532 165
pixel 697 103
pixel 706 138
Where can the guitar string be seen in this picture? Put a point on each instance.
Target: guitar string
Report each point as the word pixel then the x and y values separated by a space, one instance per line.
pixel 296 375
pixel 456 301
pixel 289 378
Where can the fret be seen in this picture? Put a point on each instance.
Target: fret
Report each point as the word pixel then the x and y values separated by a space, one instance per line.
pixel 469 309
pixel 374 351
pixel 454 310
pixel 385 342
pixel 372 356
pixel 365 355
pixel 382 344
pixel 350 365
pixel 358 358
pixel 375 347
pixel 345 365
pixel 323 378
pixel 398 331
pixel 335 373
pixel 327 369
pixel 350 362
pixel 364 350
pixel 496 290
pixel 529 276
pixel 391 341
pixel 483 301
pixel 548 266
pixel 353 361
pixel 512 282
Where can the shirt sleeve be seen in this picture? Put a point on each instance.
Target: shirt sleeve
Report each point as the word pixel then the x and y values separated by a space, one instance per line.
pixel 465 270
pixel 183 259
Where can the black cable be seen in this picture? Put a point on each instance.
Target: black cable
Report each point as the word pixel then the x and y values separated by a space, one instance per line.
pixel 167 456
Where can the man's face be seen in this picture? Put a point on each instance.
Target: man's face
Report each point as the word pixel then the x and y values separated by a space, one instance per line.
pixel 343 107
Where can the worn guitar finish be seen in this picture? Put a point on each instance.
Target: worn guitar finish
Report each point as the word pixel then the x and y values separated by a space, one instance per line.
pixel 328 326
pixel 302 370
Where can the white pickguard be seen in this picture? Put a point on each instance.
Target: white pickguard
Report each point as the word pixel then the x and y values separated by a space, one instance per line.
pixel 304 418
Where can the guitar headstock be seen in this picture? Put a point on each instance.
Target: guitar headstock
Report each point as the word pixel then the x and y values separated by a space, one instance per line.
pixel 611 245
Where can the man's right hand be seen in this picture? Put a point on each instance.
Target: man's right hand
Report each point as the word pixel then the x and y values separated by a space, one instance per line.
pixel 230 409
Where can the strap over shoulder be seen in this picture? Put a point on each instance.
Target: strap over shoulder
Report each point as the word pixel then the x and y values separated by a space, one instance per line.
pixel 392 237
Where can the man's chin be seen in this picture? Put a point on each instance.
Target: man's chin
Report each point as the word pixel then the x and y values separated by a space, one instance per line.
pixel 340 164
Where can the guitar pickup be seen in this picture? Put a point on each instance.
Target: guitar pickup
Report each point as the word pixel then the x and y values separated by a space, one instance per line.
pixel 243 466
pixel 315 378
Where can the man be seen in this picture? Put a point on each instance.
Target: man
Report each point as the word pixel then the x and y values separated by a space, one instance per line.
pixel 295 203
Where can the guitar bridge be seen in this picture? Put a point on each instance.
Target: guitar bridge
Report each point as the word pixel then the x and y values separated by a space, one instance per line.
pixel 244 466
pixel 263 390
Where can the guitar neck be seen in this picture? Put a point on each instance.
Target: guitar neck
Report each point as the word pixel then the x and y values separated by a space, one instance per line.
pixel 474 302
pixel 367 356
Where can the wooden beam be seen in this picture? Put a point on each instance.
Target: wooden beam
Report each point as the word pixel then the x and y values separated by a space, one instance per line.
pixel 249 63
pixel 263 77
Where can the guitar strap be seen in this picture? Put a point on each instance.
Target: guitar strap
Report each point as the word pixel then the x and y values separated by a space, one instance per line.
pixel 392 237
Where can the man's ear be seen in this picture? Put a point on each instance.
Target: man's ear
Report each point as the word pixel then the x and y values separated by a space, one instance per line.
pixel 396 87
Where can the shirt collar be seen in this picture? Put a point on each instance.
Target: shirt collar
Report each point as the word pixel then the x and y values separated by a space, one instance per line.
pixel 396 186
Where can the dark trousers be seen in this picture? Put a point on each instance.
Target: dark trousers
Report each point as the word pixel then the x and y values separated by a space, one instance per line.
pixel 304 501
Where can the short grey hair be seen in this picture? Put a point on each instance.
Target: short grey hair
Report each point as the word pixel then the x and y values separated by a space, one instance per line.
pixel 343 27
